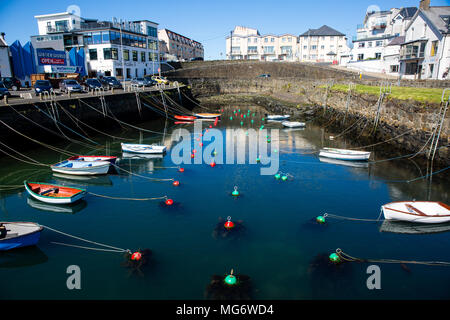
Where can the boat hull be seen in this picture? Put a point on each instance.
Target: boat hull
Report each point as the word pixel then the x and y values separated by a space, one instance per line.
pixel 110 159
pixel 83 171
pixel 26 240
pixel 208 115
pixel 143 148
pixel 278 117
pixel 293 124
pixel 360 156
pixel 400 212
pixel 185 118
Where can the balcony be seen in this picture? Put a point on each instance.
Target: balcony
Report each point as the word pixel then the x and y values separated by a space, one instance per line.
pixel 360 26
pixel 413 50
pixel 57 29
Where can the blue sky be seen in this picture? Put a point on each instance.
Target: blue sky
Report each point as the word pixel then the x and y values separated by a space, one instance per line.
pixel 205 21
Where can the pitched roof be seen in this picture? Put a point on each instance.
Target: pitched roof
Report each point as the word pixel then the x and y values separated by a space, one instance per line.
pixel 397 41
pixel 408 12
pixel 322 31
pixel 435 15
pixel 3 42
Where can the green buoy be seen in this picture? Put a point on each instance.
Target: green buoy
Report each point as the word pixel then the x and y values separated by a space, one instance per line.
pixel 334 257
pixel 258 160
pixel 231 118
pixel 244 116
pixel 230 279
pixel 320 219
pixel 284 178
pixel 262 119
pixel 235 192
pixel 252 121
pixel 242 122
pixel 277 176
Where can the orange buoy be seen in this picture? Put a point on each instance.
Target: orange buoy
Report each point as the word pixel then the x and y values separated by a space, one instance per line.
pixel 176 183
pixel 181 170
pixel 213 164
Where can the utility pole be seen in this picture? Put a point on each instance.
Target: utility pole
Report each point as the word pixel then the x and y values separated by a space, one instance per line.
pixel 231 44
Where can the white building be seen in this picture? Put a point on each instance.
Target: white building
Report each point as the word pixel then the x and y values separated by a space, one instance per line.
pixel 425 54
pixel 322 45
pixel 124 49
pixel 376 47
pixel 5 62
pixel 173 44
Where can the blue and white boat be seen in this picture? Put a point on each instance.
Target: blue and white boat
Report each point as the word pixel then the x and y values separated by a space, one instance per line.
pixel 142 148
pixel 84 168
pixel 19 234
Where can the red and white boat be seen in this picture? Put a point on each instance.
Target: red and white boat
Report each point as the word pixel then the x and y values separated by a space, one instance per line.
pixel 185 118
pixel 110 159
pixel 208 115
pixel 417 211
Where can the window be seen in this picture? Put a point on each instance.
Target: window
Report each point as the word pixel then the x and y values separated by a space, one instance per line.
pixel 379 43
pixel 143 56
pixel 369 44
pixel 322 47
pixel 126 56
pixel 92 54
pixel 378 55
pixel 431 69
pixel 289 39
pixel 313 47
pixel 268 49
pixel 105 37
pixel 331 38
pixel 135 56
pixel 110 54
pixel 394 68
pixel 266 40
pixel 253 49
pixel 255 40
pixel 119 72
pixel 272 39
pixel 361 45
pixel 305 47
pixel 360 56
pixel 97 38
pixel 152 32
pixel 434 48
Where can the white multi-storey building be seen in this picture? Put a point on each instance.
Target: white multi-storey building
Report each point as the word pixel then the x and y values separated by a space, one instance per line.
pixel 376 46
pixel 425 53
pixel 322 45
pixel 124 49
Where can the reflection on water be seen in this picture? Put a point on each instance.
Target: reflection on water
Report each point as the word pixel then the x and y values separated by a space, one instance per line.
pixel 413 228
pixel 22 257
pixel 282 238
pixel 100 180
pixel 68 208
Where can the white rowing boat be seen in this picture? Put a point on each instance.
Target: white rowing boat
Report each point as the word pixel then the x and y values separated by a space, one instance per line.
pixel 278 117
pixel 83 168
pixel 417 211
pixel 143 148
pixel 344 154
pixel 354 164
pixel 293 124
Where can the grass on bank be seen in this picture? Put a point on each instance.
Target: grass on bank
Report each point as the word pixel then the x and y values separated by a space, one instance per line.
pixel 430 95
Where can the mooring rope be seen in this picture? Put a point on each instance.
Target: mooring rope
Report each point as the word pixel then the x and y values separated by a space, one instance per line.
pixel 138 175
pixel 35 162
pixel 198 105
pixel 38 142
pixel 325 215
pixel 120 250
pixel 130 125
pixel 346 257
pixel 129 199
pixel 92 128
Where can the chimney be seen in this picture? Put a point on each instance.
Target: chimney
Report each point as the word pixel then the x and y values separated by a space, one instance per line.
pixel 2 35
pixel 424 4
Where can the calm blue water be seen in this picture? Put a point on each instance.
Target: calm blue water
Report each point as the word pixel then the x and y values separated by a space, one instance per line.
pixel 276 252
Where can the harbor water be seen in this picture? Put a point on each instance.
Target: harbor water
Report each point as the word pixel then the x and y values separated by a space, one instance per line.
pixel 282 249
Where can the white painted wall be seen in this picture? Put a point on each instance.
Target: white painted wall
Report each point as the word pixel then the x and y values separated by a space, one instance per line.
pixel 5 66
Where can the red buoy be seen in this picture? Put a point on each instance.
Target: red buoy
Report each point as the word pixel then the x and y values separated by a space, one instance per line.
pixel 201 144
pixel 169 202
pixel 176 183
pixel 194 151
pixel 192 155
pixel 136 256
pixel 210 126
pixel 229 224
pixel 213 164
pixel 181 170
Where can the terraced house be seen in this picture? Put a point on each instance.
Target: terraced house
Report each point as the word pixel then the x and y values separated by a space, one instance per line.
pixel 178 47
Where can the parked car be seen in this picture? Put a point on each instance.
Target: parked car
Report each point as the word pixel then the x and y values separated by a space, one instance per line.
pixel 4 91
pixel 264 75
pixel 197 59
pixel 141 82
pixel 70 85
pixel 11 83
pixel 160 79
pixel 150 80
pixel 110 82
pixel 41 86
pixel 92 84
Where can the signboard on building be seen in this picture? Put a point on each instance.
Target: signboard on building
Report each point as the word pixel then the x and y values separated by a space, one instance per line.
pixel 62 69
pixel 51 57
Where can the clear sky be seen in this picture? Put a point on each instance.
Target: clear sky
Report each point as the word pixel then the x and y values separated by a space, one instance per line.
pixel 207 21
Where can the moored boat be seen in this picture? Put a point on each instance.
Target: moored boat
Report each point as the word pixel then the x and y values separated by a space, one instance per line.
pixel 51 193
pixel 344 154
pixel 208 115
pixel 142 148
pixel 78 167
pixel 417 211
pixel 110 159
pixel 293 124
pixel 185 118
pixel 19 234
pixel 278 117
